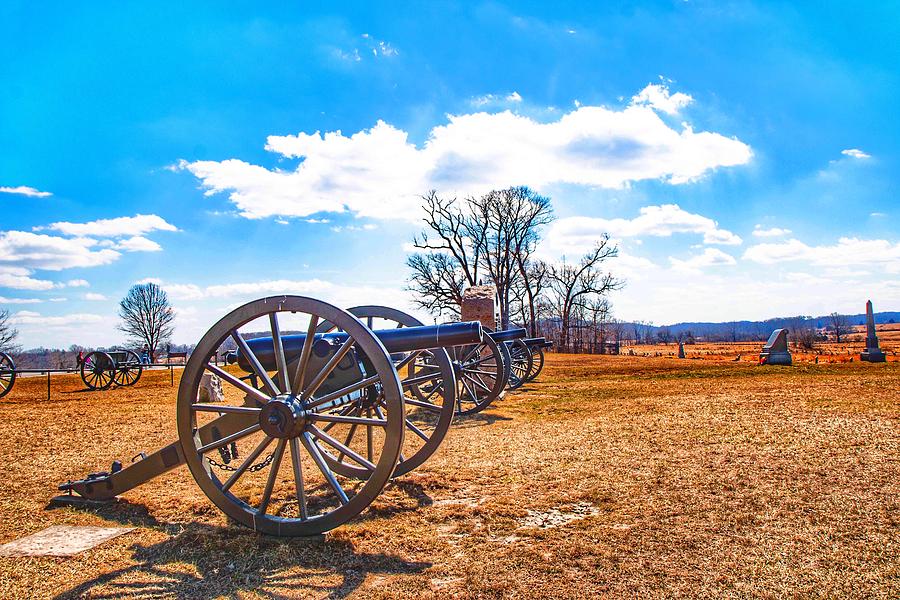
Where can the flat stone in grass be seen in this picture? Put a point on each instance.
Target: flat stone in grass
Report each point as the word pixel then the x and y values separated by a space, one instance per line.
pixel 61 540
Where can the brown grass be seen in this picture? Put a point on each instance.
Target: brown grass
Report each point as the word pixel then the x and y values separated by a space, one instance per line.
pixel 684 478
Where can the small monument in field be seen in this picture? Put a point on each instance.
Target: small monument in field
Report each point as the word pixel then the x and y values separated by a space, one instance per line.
pixel 872 353
pixel 479 304
pixel 776 352
pixel 681 350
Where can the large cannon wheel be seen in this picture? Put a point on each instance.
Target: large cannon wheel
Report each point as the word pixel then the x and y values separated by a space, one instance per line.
pixel 537 363
pixel 429 402
pixel 482 373
pixel 7 374
pixel 98 370
pixel 128 372
pixel 520 363
pixel 302 494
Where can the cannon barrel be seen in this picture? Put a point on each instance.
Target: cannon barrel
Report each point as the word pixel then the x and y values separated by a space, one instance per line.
pixel 508 335
pixel 539 342
pixel 403 339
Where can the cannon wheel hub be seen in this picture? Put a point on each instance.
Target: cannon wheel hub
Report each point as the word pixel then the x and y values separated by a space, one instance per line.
pixel 283 417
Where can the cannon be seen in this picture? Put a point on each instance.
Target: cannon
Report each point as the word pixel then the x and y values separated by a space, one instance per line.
pixel 100 370
pixel 520 360
pixel 7 374
pixel 331 403
pixel 536 347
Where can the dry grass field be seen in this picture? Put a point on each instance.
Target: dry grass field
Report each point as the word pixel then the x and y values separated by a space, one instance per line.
pixel 611 476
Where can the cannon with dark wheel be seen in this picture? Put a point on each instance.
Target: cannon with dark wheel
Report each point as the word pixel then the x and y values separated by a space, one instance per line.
pixel 99 370
pixel 304 467
pixel 7 374
pixel 536 347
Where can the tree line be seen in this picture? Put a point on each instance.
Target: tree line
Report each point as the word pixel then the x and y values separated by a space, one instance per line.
pixel 495 239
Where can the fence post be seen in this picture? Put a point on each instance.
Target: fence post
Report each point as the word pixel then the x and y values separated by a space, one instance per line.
pixel 48 385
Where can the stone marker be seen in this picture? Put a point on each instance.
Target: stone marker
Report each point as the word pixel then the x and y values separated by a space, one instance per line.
pixel 61 540
pixel 872 353
pixel 210 389
pixel 775 352
pixel 681 350
pixel 479 304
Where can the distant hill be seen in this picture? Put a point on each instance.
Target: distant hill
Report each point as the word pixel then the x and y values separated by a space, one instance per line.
pixel 749 330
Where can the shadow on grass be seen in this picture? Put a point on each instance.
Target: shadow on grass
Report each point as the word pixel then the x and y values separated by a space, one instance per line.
pixel 203 561
pixel 478 420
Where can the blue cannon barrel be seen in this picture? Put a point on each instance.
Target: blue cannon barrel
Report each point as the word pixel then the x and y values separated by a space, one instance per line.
pixel 404 339
pixel 538 342
pixel 508 335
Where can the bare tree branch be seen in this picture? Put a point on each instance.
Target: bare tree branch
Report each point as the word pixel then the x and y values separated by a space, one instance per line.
pixel 147 316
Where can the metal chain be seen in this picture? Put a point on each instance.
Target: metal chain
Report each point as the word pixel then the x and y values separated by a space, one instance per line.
pixel 257 467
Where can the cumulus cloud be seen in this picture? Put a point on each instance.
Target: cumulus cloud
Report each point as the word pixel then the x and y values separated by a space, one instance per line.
pixel 27 317
pixel 847 252
pixel 24 190
pixel 855 153
pixel 77 283
pixel 759 231
pixel 379 173
pixel 576 235
pixel 4 300
pixel 711 257
pixel 119 227
pixel 28 250
pixel 94 297
pixel 19 279
pixel 657 96
pixel 138 243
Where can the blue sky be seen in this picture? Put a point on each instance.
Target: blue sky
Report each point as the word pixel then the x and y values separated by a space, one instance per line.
pixel 743 155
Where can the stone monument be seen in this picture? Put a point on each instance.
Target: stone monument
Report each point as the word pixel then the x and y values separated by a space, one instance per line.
pixel 872 353
pixel 210 389
pixel 681 350
pixel 775 352
pixel 479 304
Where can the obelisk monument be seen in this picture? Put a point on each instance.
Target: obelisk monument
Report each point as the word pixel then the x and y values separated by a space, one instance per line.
pixel 872 353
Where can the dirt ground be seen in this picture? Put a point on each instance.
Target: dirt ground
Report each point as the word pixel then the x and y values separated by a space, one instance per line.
pixel 611 476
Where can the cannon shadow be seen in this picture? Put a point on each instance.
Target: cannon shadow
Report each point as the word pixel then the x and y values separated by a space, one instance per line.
pixel 200 560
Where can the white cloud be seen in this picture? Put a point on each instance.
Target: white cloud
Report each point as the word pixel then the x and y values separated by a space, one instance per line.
pixel 119 227
pixel 19 279
pixel 514 97
pixel 24 190
pixel 94 297
pixel 78 283
pixel 711 257
pixel 847 252
pixel 28 250
pixel 855 153
pixel 4 300
pixel 575 235
pixel 379 173
pixel 658 96
pixel 758 231
pixel 27 317
pixel 57 299
pixel 138 243
pixel 877 214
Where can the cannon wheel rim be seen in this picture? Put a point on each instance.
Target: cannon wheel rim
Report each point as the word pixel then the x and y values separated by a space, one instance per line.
pixel 520 363
pixel 129 372
pixel 496 360
pixel 93 372
pixel 7 374
pixel 445 409
pixel 537 363
pixel 240 510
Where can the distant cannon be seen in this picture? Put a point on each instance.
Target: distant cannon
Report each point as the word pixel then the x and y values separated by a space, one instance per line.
pixel 99 370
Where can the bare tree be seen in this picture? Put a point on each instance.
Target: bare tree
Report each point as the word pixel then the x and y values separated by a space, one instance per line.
pixel 8 334
pixel 569 284
pixel 840 324
pixel 147 316
pixel 491 236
